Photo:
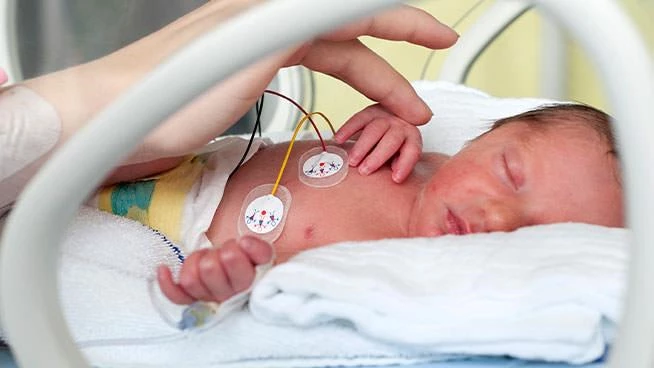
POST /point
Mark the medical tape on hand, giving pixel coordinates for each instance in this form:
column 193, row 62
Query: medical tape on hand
column 29, row 128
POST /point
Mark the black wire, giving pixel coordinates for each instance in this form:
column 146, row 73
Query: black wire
column 257, row 126
column 257, row 123
column 259, row 109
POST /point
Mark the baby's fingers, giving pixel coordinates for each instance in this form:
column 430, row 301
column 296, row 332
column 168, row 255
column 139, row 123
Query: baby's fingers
column 190, row 279
column 370, row 137
column 226, row 271
column 408, row 157
column 257, row 250
column 170, row 289
column 359, row 121
column 387, row 146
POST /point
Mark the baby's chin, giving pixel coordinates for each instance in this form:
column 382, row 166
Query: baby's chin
column 432, row 233
column 424, row 229
column 431, row 226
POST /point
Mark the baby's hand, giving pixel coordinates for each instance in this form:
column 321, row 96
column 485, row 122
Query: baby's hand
column 383, row 135
column 216, row 274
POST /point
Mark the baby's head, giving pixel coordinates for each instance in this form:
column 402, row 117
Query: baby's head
column 554, row 164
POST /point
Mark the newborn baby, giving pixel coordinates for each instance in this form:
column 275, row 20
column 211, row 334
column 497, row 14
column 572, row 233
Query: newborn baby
column 553, row 164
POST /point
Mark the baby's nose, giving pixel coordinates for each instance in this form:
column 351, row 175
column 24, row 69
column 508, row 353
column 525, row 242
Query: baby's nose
column 502, row 216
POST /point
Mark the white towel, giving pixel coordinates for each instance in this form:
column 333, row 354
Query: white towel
column 105, row 264
column 545, row 292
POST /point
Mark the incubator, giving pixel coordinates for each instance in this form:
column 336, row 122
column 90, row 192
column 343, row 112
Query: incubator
column 35, row 318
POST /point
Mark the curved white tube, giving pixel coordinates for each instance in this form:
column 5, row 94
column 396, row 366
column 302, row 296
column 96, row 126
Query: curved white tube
column 482, row 33
column 612, row 41
column 30, row 311
column 8, row 49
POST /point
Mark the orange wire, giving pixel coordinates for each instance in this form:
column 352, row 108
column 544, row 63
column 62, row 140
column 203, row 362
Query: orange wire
column 292, row 142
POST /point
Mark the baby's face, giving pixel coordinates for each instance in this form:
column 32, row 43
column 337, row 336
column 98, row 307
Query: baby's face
column 518, row 176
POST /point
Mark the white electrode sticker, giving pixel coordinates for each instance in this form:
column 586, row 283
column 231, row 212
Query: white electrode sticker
column 322, row 165
column 323, row 168
column 264, row 214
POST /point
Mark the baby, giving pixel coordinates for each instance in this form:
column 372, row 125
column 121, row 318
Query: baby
column 554, row 164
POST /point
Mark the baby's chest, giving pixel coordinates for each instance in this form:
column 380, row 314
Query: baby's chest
column 318, row 220
column 349, row 211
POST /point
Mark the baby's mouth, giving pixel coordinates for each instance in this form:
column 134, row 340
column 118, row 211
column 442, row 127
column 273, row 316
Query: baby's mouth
column 454, row 225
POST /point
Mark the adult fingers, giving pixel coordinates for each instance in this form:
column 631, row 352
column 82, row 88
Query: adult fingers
column 3, row 76
column 368, row 73
column 170, row 289
column 403, row 23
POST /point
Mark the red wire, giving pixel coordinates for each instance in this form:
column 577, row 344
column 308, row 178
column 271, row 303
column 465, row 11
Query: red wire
column 322, row 141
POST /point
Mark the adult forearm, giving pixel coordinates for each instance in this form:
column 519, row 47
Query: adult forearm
column 80, row 92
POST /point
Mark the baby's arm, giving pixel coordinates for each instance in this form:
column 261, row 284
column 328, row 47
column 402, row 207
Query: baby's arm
column 383, row 135
column 216, row 274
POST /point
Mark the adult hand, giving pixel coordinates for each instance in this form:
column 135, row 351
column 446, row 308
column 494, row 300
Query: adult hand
column 3, row 77
column 341, row 55
column 79, row 93
column 338, row 53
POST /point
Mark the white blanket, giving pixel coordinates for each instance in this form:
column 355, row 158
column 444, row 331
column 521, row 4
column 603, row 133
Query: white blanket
column 547, row 292
column 544, row 292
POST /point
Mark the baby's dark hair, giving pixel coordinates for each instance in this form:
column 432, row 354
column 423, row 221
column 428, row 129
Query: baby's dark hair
column 569, row 114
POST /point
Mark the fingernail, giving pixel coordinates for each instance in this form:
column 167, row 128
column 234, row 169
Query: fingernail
column 422, row 113
column 206, row 263
column 364, row 169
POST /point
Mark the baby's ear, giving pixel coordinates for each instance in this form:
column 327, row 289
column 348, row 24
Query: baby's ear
column 617, row 167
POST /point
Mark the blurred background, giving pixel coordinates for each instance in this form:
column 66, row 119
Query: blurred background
column 512, row 66
column 53, row 34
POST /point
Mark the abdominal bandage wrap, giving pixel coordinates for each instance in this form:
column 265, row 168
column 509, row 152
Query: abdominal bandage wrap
column 29, row 128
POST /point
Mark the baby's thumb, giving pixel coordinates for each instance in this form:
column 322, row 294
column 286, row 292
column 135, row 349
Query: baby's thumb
column 259, row 251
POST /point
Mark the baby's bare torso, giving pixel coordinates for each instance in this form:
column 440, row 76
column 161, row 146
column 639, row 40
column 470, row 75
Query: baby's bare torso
column 359, row 208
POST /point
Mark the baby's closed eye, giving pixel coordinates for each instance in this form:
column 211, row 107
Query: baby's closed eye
column 512, row 169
